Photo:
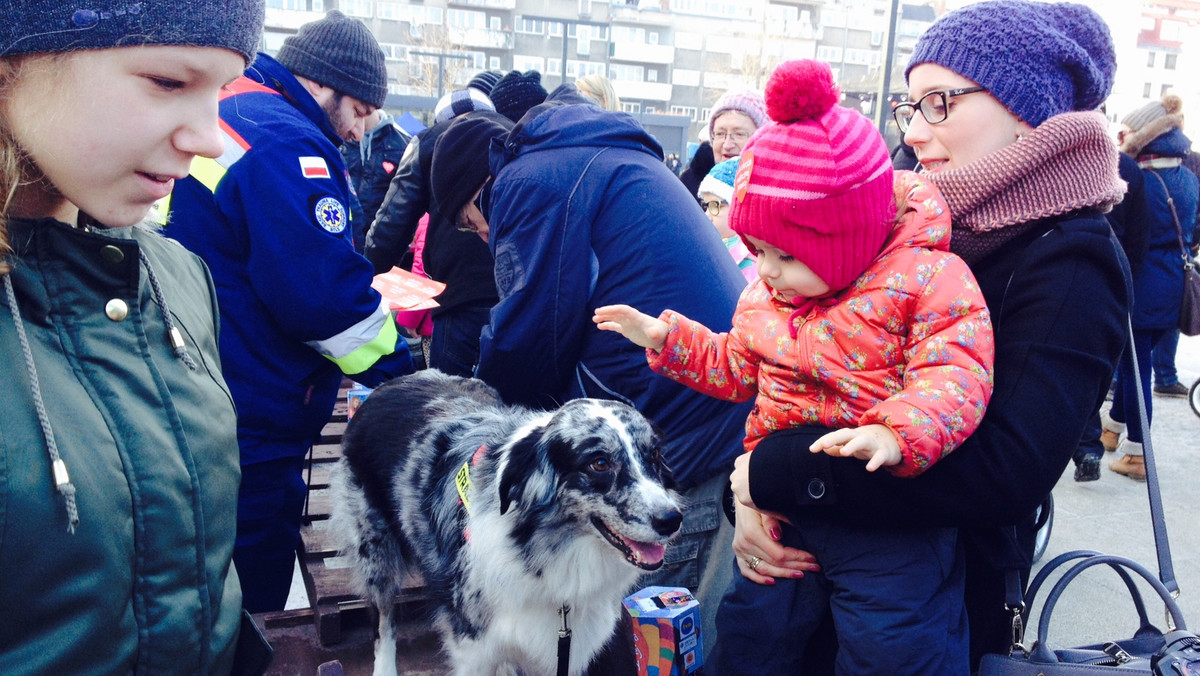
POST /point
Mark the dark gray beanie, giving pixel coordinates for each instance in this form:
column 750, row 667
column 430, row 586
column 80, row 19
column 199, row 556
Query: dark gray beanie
column 517, row 92
column 45, row 26
column 340, row 53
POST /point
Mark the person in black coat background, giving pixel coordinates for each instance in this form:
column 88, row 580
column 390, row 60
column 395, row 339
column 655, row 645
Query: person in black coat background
column 701, row 163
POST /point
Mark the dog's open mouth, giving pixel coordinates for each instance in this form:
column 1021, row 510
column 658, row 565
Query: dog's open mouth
column 644, row 555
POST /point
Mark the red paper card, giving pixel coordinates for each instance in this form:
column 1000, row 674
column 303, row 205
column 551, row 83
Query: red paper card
column 405, row 291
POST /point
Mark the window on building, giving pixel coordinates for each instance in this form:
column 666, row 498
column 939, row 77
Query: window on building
column 359, row 8
column 394, row 52
column 494, row 23
column 687, row 111
column 651, row 75
column 1150, row 59
column 1146, row 90
column 392, row 11
column 465, row 19
column 525, row 63
column 652, row 37
column 556, row 29
column 301, row 5
column 494, row 63
column 1170, row 61
column 1165, row 88
column 585, row 7
column 630, row 107
column 531, row 26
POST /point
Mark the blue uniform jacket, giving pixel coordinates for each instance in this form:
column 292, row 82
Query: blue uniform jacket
column 584, row 213
column 271, row 219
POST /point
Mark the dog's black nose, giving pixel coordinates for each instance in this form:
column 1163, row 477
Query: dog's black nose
column 667, row 522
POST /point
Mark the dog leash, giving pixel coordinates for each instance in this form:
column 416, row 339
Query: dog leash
column 564, row 642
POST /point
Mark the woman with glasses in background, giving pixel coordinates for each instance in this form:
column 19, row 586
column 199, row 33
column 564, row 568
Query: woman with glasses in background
column 734, row 117
column 1028, row 171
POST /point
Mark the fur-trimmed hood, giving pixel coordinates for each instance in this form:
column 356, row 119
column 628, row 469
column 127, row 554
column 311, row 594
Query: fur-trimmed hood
column 1150, row 122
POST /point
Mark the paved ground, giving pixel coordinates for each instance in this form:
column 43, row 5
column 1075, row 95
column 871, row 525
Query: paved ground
column 1112, row 515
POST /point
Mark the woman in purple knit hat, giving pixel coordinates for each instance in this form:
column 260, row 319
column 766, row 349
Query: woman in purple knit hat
column 1000, row 113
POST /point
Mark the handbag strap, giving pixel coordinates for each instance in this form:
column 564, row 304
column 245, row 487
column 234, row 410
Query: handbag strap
column 1162, row 547
column 1014, row 602
column 1187, row 258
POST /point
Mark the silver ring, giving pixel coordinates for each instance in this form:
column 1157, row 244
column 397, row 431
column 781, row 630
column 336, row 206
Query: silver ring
column 754, row 561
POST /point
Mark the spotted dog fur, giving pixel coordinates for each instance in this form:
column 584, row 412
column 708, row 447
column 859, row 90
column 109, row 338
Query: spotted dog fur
column 565, row 507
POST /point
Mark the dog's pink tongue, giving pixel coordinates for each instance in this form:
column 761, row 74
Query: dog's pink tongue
column 647, row 553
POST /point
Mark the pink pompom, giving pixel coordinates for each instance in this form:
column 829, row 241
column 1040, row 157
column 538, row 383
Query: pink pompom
column 801, row 90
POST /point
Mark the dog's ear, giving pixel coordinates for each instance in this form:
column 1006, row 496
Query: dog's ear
column 522, row 463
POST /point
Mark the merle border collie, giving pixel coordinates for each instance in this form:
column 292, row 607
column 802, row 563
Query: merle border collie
column 509, row 514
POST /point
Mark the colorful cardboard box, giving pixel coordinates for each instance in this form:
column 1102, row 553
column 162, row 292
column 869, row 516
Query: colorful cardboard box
column 355, row 397
column 666, row 631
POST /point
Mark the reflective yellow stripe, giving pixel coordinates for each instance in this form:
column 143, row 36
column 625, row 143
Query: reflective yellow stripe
column 208, row 171
column 365, row 356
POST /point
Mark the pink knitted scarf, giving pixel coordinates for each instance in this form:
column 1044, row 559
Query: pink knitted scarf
column 1065, row 164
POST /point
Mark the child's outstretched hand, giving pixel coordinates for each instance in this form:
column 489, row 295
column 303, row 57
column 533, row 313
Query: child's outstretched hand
column 641, row 329
column 876, row 444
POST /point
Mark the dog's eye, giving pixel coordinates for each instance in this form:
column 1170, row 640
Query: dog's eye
column 600, row 465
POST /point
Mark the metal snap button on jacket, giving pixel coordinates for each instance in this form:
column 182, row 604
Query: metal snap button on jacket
column 112, row 254
column 116, row 310
column 816, row 489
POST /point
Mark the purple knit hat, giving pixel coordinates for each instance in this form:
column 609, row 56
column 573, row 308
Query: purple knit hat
column 749, row 102
column 818, row 184
column 1038, row 59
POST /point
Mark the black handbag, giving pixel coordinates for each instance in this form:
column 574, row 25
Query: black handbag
column 1189, row 309
column 1149, row 651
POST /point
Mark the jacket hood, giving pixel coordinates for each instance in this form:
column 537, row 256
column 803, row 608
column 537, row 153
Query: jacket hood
column 1171, row 143
column 924, row 219
column 568, row 122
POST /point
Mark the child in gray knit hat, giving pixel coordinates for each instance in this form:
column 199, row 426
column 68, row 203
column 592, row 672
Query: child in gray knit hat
column 118, row 514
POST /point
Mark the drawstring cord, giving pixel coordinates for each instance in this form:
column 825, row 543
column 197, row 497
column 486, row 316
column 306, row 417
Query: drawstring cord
column 174, row 336
column 62, row 481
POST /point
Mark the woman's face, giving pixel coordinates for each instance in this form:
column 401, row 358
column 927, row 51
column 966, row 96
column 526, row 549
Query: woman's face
column 730, row 131
column 111, row 130
column 976, row 125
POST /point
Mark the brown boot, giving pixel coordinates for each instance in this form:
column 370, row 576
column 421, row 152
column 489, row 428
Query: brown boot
column 1110, row 440
column 1132, row 466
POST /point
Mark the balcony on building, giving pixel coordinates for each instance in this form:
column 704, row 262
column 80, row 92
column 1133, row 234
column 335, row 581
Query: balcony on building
column 649, row 91
column 480, row 37
column 489, row 4
column 643, row 53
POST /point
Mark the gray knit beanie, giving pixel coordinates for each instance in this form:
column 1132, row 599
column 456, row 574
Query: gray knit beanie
column 340, row 53
column 1039, row 59
column 45, row 26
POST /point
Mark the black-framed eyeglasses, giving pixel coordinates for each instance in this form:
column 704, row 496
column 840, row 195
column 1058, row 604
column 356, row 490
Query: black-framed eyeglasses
column 934, row 106
column 713, row 208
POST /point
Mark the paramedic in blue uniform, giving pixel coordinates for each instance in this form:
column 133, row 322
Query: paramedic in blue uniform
column 270, row 217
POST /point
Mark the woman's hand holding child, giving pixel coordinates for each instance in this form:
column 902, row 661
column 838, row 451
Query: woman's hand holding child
column 641, row 329
column 876, row 444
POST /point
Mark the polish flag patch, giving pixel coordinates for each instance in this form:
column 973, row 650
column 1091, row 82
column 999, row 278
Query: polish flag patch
column 314, row 167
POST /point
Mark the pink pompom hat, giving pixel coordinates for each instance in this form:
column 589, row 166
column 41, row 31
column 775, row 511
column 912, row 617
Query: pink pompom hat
column 818, row 184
